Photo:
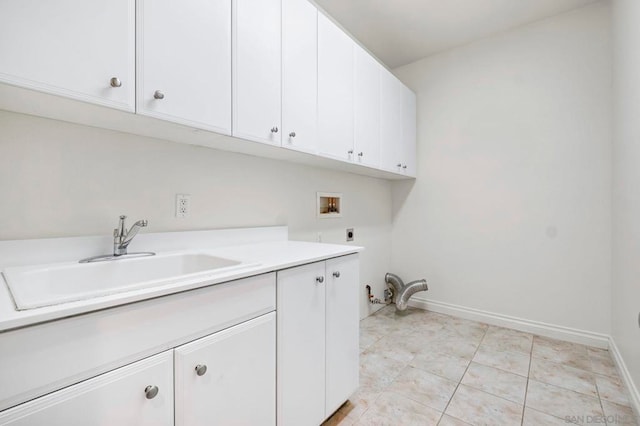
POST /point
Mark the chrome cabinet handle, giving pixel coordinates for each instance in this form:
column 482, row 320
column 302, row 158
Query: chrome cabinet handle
column 151, row 391
column 320, row 279
column 399, row 165
column 404, row 167
column 274, row 130
column 201, row 369
column 336, row 274
column 292, row 134
column 360, row 154
column 115, row 82
column 158, row 94
column 350, row 152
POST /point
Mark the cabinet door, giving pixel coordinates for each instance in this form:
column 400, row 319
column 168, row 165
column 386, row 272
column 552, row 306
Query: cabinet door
column 409, row 131
column 72, row 48
column 335, row 90
column 391, row 145
column 367, row 109
column 121, row 397
column 228, row 378
column 184, row 62
column 301, row 345
column 256, row 70
column 342, row 328
column 299, row 75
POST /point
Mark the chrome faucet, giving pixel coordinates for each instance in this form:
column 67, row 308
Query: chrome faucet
column 122, row 238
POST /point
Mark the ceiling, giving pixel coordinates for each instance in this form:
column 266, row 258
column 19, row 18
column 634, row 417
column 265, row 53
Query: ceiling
column 399, row 32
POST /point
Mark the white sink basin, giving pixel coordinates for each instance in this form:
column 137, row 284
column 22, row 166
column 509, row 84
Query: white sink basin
column 45, row 285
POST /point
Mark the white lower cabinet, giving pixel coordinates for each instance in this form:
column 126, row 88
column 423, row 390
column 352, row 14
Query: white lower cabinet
column 228, row 378
column 317, row 310
column 138, row 394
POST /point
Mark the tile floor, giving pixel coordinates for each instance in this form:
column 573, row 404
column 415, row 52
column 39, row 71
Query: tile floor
column 424, row 368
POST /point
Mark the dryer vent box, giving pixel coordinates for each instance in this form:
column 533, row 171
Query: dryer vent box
column 329, row 205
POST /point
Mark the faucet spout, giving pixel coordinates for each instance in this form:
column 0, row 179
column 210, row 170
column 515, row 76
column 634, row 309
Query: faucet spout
column 122, row 238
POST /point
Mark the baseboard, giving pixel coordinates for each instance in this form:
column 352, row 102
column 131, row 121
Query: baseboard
column 632, row 390
column 542, row 329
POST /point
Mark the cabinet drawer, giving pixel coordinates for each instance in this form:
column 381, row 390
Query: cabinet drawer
column 46, row 357
column 114, row 398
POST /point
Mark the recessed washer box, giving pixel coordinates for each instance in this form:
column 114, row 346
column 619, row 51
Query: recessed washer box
column 329, row 205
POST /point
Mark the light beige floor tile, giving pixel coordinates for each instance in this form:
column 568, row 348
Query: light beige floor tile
column 455, row 346
column 563, row 376
column 480, row 408
column 496, row 382
column 359, row 402
column 449, row 367
column 536, row 418
column 612, row 389
column 513, row 362
column 378, row 371
column 465, row 329
column 395, row 347
column 423, row 387
column 504, row 339
column 391, row 409
column 560, row 402
column 367, row 338
column 571, row 354
column 452, row 421
column 619, row 415
column 602, row 363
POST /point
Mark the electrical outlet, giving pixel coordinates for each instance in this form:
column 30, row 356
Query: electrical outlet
column 183, row 205
column 350, row 234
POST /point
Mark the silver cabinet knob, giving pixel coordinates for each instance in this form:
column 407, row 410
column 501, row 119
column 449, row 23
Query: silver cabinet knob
column 292, row 134
column 151, row 391
column 399, row 165
column 404, row 166
column 320, row 280
column 201, row 369
column 350, row 152
column 274, row 130
column 360, row 154
column 115, row 82
column 158, row 95
column 336, row 274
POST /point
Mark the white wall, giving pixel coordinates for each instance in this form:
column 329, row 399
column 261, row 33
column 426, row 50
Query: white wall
column 59, row 179
column 511, row 209
column 626, row 183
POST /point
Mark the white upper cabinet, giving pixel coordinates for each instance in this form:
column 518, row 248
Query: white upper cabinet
column 184, row 62
column 335, row 90
column 391, row 143
column 367, row 109
column 80, row 49
column 256, row 70
column 409, row 126
column 299, row 75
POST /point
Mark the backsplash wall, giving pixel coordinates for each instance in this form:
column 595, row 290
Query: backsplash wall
column 60, row 180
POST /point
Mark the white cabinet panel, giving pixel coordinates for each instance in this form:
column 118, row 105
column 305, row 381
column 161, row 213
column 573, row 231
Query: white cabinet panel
column 342, row 330
column 114, row 398
column 409, row 122
column 335, row 90
column 391, row 100
column 367, row 109
column 238, row 386
column 301, row 345
column 299, row 75
column 72, row 48
column 184, row 62
column 256, row 70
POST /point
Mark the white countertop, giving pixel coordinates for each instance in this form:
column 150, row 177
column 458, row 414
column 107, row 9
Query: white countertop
column 269, row 256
